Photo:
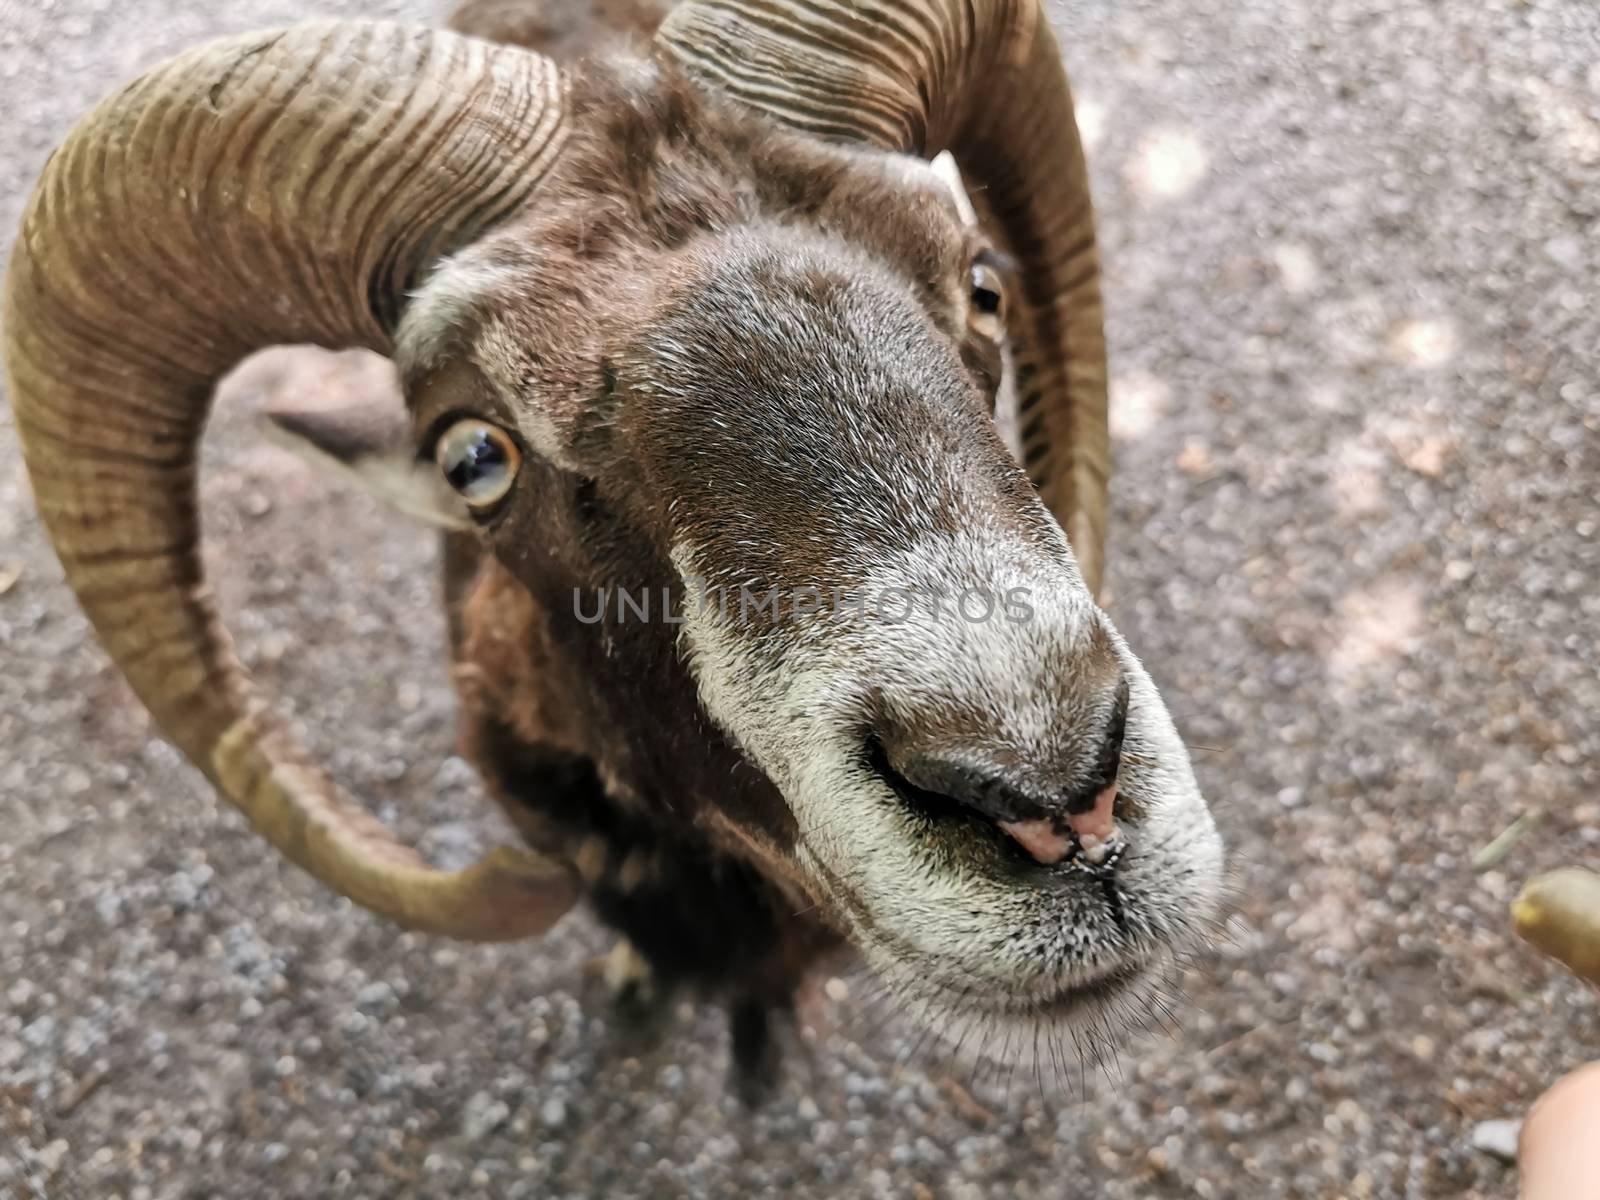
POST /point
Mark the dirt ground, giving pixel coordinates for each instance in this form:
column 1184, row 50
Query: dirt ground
column 1351, row 253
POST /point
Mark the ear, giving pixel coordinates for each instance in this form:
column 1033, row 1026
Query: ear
column 945, row 167
column 369, row 440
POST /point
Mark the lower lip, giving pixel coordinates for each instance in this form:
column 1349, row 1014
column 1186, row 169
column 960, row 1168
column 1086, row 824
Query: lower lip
column 1067, row 1001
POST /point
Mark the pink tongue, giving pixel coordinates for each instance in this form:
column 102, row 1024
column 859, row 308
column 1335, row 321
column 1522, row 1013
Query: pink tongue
column 1098, row 822
column 1039, row 837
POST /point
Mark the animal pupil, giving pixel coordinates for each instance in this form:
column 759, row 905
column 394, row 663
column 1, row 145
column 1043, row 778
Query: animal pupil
column 986, row 300
column 474, row 461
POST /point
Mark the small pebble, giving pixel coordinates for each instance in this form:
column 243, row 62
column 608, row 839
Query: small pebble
column 1497, row 1138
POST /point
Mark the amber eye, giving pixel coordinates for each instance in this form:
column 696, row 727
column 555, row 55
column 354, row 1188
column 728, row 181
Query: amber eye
column 479, row 460
column 987, row 300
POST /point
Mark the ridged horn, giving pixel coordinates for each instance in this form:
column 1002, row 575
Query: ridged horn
column 276, row 188
column 982, row 79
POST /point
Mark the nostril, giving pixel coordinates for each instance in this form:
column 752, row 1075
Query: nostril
column 932, row 788
column 941, row 789
column 1107, row 762
column 1050, row 822
column 946, row 785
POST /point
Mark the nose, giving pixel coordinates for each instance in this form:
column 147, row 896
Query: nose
column 1049, row 809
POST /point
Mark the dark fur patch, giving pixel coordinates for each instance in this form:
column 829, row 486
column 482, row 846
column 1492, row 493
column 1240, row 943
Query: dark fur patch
column 699, row 916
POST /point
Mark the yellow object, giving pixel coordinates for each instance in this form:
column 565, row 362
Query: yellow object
column 1559, row 912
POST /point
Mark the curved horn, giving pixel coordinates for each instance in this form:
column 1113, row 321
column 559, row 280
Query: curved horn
column 281, row 187
column 982, row 79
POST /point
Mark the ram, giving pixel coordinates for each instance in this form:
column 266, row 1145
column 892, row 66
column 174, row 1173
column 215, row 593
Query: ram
column 765, row 641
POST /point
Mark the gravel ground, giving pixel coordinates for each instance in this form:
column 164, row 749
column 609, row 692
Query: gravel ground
column 1356, row 340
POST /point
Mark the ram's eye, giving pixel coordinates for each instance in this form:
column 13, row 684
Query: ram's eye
column 479, row 460
column 987, row 301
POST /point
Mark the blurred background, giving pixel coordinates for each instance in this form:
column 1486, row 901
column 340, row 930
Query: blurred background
column 1351, row 249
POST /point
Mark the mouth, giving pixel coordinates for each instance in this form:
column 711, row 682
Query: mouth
column 1001, row 956
column 1086, row 930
